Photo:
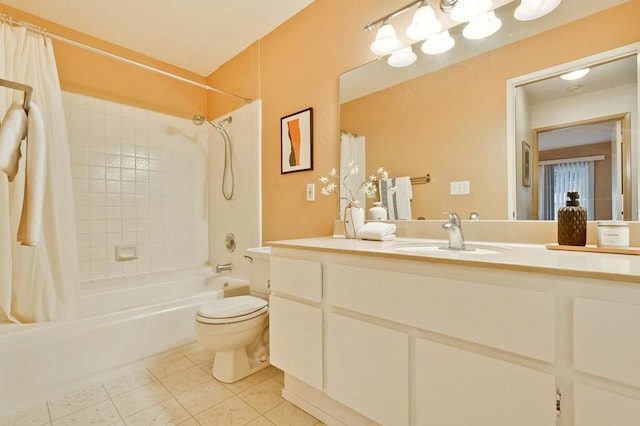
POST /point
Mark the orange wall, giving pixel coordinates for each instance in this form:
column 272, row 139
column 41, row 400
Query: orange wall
column 92, row 74
column 299, row 64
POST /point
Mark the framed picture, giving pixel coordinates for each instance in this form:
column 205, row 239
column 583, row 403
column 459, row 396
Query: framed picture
column 296, row 141
column 526, row 164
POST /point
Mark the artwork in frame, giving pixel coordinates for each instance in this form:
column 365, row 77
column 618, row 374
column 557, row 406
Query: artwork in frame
column 526, row 164
column 296, row 141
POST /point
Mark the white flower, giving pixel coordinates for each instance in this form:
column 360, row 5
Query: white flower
column 393, row 189
column 350, row 189
column 333, row 172
column 324, row 191
column 354, row 170
column 324, row 179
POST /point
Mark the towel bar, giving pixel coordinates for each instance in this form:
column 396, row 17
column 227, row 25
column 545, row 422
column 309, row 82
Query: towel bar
column 22, row 87
column 420, row 179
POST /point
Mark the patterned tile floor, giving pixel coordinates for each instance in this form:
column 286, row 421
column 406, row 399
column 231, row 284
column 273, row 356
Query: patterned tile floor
column 173, row 388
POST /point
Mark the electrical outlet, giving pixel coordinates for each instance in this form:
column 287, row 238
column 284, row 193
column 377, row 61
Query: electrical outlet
column 311, row 192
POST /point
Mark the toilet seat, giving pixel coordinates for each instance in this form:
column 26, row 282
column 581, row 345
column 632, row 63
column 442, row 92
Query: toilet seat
column 232, row 310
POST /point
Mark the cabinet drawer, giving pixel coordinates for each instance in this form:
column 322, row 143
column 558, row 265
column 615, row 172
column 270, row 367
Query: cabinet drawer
column 512, row 319
column 295, row 277
column 595, row 407
column 606, row 339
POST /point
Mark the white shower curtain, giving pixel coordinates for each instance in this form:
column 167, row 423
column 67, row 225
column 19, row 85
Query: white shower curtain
column 39, row 283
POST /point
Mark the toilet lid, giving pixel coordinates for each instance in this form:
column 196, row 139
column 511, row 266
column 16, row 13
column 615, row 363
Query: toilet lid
column 238, row 308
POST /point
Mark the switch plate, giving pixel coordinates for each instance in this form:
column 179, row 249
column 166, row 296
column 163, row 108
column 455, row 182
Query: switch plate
column 462, row 187
column 311, row 192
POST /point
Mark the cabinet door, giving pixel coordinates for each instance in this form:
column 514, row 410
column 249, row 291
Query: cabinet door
column 460, row 388
column 368, row 369
column 295, row 339
column 595, row 407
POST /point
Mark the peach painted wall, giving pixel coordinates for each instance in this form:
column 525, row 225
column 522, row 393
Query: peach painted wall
column 92, row 74
column 298, row 67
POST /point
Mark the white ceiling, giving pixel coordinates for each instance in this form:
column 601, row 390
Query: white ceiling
column 197, row 35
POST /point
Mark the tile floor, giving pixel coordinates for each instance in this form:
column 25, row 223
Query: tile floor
column 173, row 388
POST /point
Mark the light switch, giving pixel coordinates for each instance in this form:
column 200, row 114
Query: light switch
column 311, row 192
column 462, row 187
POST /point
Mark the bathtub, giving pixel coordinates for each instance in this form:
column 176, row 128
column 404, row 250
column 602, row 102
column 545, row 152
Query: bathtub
column 113, row 328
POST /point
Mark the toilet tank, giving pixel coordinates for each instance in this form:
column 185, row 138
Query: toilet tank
column 259, row 271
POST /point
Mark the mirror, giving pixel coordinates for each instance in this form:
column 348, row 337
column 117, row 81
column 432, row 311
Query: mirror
column 445, row 115
column 578, row 134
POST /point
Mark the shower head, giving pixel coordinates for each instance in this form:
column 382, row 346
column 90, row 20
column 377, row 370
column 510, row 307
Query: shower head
column 199, row 120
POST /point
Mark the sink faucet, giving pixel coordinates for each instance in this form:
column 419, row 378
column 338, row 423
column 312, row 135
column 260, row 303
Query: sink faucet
column 454, row 227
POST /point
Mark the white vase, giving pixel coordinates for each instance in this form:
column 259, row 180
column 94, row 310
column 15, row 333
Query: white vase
column 377, row 212
column 353, row 219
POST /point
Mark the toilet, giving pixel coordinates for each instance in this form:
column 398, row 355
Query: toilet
column 237, row 328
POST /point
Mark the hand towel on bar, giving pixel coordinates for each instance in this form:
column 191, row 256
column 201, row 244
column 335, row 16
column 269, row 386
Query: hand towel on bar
column 12, row 130
column 378, row 231
column 35, row 179
column 396, row 195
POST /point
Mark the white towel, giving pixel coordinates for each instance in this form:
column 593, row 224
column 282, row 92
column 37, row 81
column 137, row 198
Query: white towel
column 12, row 131
column 35, row 179
column 396, row 194
column 378, row 231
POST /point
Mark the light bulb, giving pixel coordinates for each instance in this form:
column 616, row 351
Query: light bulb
column 534, row 9
column 575, row 75
column 386, row 40
column 482, row 27
column 424, row 24
column 468, row 10
column 438, row 43
column 402, row 57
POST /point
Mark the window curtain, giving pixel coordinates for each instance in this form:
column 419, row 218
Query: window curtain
column 555, row 180
column 37, row 283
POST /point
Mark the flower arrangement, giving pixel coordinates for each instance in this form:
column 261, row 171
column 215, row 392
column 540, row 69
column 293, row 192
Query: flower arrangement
column 352, row 187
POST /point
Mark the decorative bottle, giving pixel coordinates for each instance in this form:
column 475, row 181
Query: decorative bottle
column 572, row 222
column 377, row 212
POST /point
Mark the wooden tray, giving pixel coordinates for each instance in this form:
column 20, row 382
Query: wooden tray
column 595, row 249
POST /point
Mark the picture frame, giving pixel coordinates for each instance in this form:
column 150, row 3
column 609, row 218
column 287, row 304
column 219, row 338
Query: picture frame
column 526, row 164
column 296, row 141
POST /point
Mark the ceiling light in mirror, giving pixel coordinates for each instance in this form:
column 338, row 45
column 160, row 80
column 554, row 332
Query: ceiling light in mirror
column 402, row 58
column 468, row 10
column 482, row 27
column 424, row 24
column 439, row 43
column 575, row 75
column 386, row 40
column 534, row 9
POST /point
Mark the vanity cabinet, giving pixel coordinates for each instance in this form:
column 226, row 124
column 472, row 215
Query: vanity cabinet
column 295, row 319
column 406, row 341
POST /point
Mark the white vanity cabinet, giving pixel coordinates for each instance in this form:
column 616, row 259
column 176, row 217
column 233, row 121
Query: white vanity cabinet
column 295, row 318
column 415, row 341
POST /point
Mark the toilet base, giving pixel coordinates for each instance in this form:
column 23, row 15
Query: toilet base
column 229, row 367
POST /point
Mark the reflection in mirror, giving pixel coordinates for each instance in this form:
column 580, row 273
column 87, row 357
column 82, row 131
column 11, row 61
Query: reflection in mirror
column 446, row 115
column 582, row 133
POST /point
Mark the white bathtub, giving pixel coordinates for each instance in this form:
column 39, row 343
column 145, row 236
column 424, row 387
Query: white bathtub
column 114, row 327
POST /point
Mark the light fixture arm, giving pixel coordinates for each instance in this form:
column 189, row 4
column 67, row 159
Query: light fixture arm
column 447, row 5
column 398, row 12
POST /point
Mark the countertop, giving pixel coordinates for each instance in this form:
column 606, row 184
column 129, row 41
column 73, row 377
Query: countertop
column 516, row 257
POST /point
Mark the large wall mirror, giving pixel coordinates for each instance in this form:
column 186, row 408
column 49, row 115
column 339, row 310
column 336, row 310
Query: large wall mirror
column 446, row 116
column 575, row 128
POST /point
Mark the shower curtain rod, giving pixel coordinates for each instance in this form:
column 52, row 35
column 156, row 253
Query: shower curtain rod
column 146, row 67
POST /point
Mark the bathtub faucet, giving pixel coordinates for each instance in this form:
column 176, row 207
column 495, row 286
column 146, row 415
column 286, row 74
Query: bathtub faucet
column 224, row 267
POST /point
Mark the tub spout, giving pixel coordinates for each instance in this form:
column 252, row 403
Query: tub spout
column 224, row 267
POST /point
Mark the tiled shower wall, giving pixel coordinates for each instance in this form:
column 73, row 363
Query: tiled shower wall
column 138, row 178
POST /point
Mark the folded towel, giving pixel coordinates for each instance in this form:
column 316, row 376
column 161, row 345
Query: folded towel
column 12, row 131
column 396, row 195
column 35, row 177
column 378, row 231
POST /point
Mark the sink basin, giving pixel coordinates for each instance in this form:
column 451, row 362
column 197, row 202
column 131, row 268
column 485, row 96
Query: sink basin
column 436, row 249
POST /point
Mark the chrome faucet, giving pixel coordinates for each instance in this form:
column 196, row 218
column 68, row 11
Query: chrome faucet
column 224, row 267
column 454, row 227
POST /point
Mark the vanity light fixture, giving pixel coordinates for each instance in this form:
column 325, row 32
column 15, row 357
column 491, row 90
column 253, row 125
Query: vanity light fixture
column 402, row 57
column 439, row 43
column 424, row 23
column 468, row 10
column 534, row 9
column 386, row 40
column 482, row 27
column 575, row 75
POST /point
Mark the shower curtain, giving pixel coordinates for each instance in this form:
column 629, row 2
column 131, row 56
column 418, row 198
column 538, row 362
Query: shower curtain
column 39, row 283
